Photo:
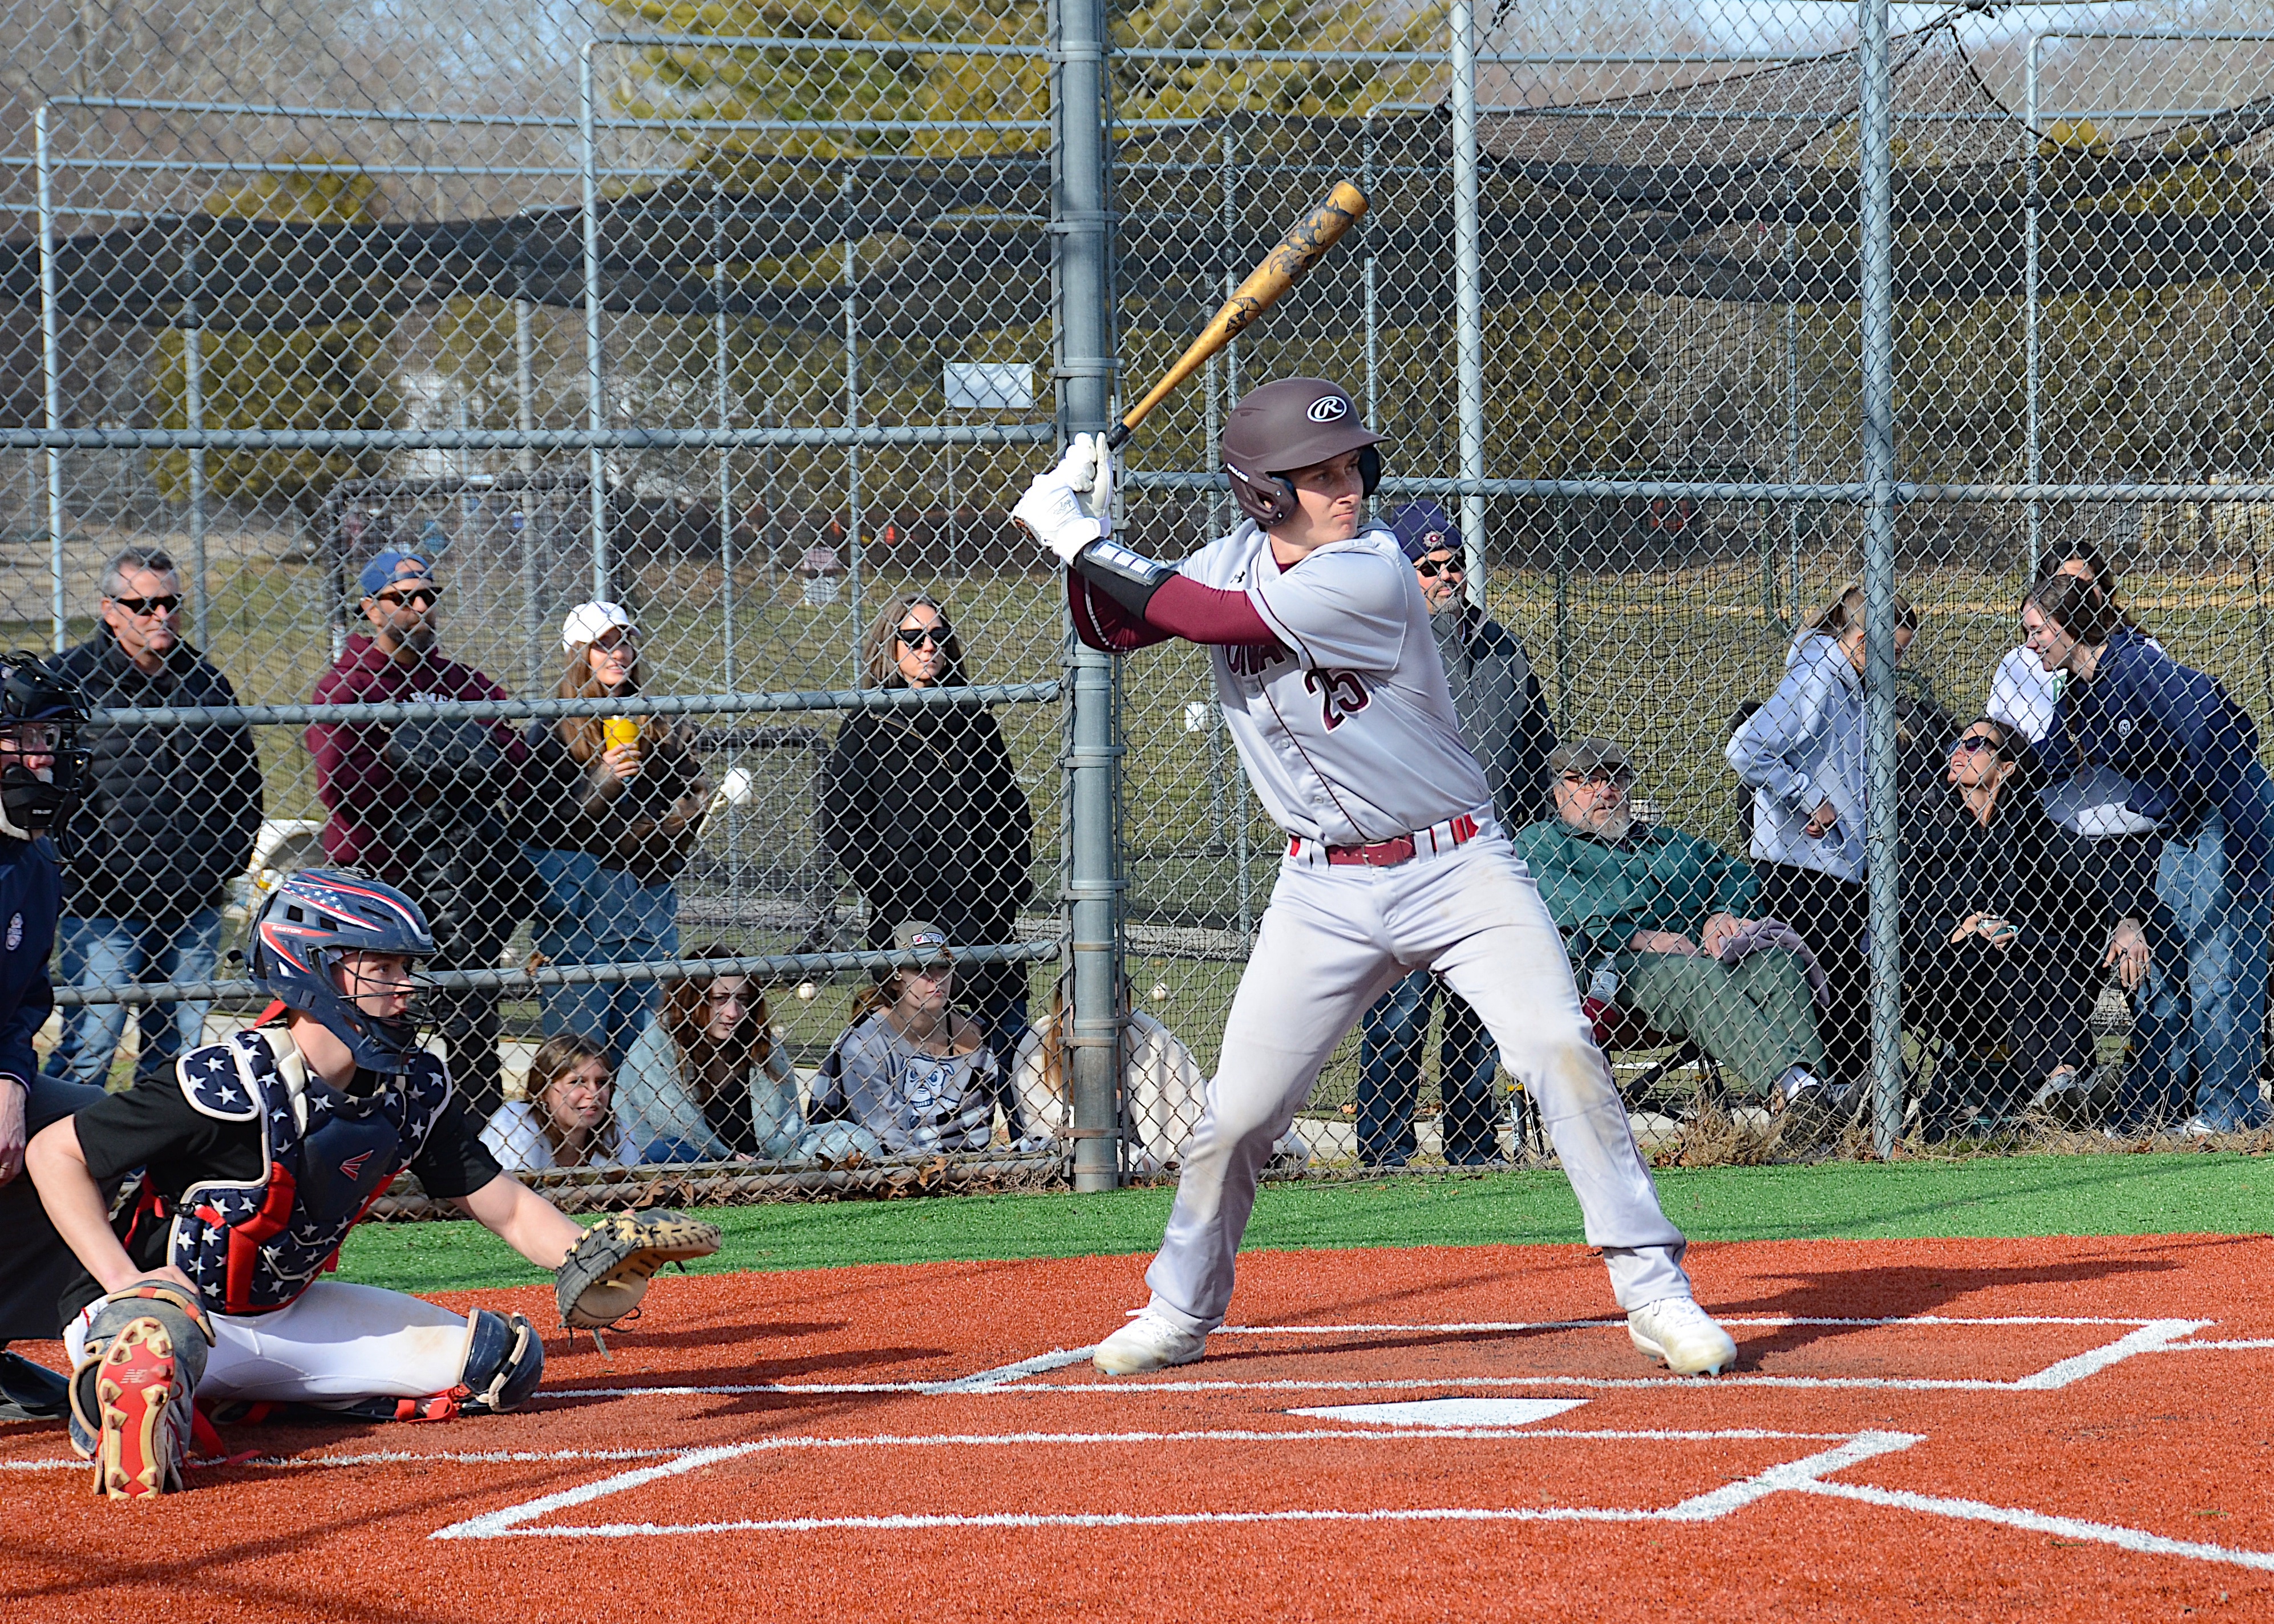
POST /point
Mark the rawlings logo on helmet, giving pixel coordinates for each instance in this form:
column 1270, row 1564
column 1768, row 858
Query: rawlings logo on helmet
column 1329, row 408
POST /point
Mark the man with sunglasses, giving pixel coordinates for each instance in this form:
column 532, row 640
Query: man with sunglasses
column 1504, row 718
column 167, row 817
column 421, row 804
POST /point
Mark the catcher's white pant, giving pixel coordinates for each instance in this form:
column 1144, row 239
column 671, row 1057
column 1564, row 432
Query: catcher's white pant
column 334, row 1344
column 1332, row 940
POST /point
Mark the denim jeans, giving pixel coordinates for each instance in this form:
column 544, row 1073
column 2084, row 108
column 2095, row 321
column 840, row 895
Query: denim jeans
column 1391, row 1036
column 2199, row 1034
column 111, row 952
column 590, row 913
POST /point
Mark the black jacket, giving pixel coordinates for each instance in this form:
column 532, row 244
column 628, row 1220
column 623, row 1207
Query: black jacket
column 924, row 810
column 2060, row 892
column 643, row 829
column 169, row 813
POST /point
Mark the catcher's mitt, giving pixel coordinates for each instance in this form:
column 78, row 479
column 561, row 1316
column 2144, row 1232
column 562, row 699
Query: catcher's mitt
column 604, row 1277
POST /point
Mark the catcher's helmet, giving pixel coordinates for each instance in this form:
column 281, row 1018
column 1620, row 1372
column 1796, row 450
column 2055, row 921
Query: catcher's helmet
column 32, row 690
column 1286, row 425
column 308, row 924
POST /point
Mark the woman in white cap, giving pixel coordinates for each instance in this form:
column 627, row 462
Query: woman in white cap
column 614, row 804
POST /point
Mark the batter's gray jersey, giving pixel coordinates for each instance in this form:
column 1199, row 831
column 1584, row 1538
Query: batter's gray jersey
column 1348, row 732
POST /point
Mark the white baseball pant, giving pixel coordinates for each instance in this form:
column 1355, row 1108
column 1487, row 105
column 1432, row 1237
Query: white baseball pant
column 334, row 1344
column 1333, row 938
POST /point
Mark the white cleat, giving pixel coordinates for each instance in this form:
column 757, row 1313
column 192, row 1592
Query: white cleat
column 1148, row 1342
column 1679, row 1335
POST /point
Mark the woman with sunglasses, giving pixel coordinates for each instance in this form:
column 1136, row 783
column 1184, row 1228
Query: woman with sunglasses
column 1999, row 960
column 923, row 806
column 608, row 818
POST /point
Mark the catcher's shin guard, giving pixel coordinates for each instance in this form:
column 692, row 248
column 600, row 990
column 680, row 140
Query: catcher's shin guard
column 132, row 1392
column 505, row 1360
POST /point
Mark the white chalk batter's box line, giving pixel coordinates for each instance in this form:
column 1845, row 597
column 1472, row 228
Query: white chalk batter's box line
column 2146, row 1336
column 1806, row 1476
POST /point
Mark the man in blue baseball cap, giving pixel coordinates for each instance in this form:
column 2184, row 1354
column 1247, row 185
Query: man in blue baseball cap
column 1497, row 699
column 419, row 804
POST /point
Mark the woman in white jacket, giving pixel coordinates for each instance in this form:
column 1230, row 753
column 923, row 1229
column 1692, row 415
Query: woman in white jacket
column 1803, row 755
column 1163, row 1089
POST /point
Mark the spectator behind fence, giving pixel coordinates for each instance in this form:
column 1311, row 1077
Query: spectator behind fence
column 2023, row 693
column 1801, row 753
column 611, row 808
column 912, row 1073
column 567, row 1117
column 707, row 1082
column 166, row 818
column 1658, row 924
column 2189, row 754
column 923, row 807
column 2000, row 964
column 418, row 803
column 1163, row 1091
column 1505, row 720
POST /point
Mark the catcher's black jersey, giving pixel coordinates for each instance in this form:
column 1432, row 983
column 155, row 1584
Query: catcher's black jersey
column 155, row 1126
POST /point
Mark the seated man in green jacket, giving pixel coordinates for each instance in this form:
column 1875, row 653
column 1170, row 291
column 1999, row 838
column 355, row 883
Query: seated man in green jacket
column 1656, row 921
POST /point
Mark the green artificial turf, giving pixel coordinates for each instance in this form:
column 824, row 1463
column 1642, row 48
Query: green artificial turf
column 2003, row 1197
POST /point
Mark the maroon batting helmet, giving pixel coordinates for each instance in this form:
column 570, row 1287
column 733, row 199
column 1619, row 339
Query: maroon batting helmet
column 1289, row 424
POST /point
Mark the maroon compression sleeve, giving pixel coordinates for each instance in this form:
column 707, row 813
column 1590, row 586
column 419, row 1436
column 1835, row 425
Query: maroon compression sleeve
column 1206, row 614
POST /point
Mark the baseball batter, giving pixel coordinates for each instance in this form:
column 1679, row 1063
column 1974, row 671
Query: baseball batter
column 1334, row 695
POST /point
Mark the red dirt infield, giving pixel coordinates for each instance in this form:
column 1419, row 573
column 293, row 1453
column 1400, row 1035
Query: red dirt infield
column 2052, row 1429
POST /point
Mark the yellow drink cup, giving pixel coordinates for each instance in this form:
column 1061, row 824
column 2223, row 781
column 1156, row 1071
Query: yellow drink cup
column 619, row 730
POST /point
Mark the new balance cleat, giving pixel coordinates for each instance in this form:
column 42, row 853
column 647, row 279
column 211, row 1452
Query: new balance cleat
column 1148, row 1342
column 1675, row 1332
column 136, row 1390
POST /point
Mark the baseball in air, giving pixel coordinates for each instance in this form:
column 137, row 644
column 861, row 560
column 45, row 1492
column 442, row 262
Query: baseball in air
column 1160, row 992
column 806, row 990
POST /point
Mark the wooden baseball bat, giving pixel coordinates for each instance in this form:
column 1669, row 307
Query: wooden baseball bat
column 1305, row 242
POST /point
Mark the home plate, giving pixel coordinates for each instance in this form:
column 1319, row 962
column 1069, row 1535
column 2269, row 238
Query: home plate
column 1448, row 1412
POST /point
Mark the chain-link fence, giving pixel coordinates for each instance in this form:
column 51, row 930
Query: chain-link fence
column 755, row 327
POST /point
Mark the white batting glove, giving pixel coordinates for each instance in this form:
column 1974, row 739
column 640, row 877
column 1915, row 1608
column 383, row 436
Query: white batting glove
column 1061, row 508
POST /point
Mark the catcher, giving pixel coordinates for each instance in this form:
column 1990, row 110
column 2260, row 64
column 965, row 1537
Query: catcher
column 258, row 1155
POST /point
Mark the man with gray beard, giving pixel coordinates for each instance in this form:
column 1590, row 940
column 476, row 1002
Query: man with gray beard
column 1656, row 923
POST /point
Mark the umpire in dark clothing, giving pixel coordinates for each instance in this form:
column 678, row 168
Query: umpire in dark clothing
column 923, row 806
column 166, row 818
column 1497, row 699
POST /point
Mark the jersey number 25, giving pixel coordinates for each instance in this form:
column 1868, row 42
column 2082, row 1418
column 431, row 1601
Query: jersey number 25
column 1341, row 696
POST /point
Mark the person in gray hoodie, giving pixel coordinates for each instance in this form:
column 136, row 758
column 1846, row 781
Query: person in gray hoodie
column 1505, row 720
column 1802, row 754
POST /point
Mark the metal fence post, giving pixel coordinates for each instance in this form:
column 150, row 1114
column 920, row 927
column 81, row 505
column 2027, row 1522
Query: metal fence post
column 1085, row 390
column 2034, row 468
column 1468, row 290
column 194, row 419
column 1876, row 263
column 51, row 365
column 596, row 405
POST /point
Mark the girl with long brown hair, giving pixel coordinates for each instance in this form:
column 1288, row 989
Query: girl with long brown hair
column 568, row 1117
column 706, row 1081
column 613, row 805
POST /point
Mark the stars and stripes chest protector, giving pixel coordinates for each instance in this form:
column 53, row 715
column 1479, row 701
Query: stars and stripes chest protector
column 255, row 1246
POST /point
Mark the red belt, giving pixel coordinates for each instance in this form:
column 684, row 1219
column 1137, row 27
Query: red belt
column 1388, row 854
